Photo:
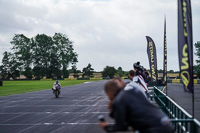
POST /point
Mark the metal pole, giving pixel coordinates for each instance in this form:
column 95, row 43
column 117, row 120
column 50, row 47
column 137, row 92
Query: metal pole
column 193, row 104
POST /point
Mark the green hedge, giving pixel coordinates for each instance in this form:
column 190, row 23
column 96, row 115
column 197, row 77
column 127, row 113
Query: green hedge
column 83, row 78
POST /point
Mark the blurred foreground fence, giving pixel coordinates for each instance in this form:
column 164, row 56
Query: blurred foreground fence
column 182, row 121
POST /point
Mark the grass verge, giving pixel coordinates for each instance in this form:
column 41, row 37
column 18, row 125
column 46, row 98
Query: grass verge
column 18, row 87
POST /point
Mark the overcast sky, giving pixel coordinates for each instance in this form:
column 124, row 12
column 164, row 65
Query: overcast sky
column 104, row 32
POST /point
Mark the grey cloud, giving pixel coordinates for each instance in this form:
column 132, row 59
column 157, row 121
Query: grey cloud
column 104, row 32
column 16, row 16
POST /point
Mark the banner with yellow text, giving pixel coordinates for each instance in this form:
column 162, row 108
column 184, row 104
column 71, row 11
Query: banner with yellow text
column 151, row 51
column 185, row 44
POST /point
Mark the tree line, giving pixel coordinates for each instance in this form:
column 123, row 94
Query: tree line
column 108, row 72
column 40, row 56
column 46, row 56
column 50, row 56
column 197, row 66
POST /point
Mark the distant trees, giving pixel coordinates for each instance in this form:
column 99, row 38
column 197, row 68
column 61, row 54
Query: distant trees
column 160, row 71
column 74, row 68
column 197, row 67
column 170, row 71
column 109, row 71
column 10, row 67
column 120, row 72
column 197, row 46
column 88, row 71
column 39, row 56
column 23, row 53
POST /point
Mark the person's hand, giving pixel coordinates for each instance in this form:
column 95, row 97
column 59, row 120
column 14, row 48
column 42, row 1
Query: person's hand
column 103, row 124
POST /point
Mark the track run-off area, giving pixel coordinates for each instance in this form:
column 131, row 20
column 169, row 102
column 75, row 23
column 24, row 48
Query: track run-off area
column 75, row 111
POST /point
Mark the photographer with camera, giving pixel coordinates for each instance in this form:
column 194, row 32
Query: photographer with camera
column 131, row 108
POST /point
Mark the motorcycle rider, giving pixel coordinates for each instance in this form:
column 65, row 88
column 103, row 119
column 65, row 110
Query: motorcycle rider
column 57, row 85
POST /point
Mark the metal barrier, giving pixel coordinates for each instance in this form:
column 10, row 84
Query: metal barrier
column 181, row 120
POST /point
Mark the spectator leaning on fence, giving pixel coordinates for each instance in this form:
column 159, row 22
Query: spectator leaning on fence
column 121, row 84
column 131, row 108
column 139, row 80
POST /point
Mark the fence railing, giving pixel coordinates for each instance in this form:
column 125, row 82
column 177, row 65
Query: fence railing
column 182, row 121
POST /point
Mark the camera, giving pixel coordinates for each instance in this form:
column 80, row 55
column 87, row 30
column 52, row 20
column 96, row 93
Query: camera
column 101, row 118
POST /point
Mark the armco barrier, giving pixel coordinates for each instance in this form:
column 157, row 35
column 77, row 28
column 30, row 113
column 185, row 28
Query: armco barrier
column 96, row 78
column 70, row 78
column 181, row 120
column 196, row 81
column 175, row 80
column 45, row 79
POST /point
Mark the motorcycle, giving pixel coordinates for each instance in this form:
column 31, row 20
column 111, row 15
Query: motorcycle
column 56, row 91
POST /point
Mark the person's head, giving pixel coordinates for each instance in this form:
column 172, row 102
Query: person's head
column 131, row 74
column 120, row 83
column 57, row 82
column 136, row 66
column 144, row 70
column 111, row 88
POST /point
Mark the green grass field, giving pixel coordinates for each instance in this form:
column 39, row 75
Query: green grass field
column 17, row 87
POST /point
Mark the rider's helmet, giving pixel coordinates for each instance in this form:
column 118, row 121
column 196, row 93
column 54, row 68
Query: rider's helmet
column 57, row 82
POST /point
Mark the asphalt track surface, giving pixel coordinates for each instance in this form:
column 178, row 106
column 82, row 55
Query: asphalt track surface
column 184, row 99
column 75, row 111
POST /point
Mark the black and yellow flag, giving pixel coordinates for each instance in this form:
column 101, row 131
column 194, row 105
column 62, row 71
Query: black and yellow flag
column 151, row 51
column 164, row 81
column 185, row 44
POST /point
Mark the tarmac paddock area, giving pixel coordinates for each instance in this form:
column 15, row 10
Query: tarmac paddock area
column 75, row 111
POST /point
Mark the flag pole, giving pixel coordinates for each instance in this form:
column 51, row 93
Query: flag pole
column 193, row 105
column 164, row 80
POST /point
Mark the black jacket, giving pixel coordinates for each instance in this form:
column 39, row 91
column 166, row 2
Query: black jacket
column 132, row 108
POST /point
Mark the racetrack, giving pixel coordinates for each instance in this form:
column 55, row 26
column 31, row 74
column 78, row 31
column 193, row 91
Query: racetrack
column 75, row 111
column 184, row 99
